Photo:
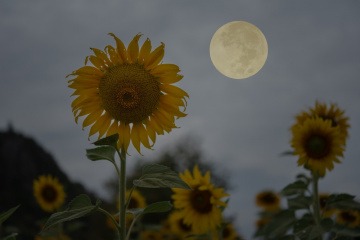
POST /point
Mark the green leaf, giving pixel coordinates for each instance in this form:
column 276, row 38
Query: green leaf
column 79, row 207
column 159, row 176
column 5, row 215
column 108, row 141
column 101, row 153
column 299, row 202
column 10, row 237
column 278, row 225
column 342, row 201
column 158, row 207
column 294, row 188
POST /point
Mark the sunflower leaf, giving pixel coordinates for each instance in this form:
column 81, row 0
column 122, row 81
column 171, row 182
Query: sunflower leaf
column 108, row 141
column 279, row 225
column 159, row 176
column 79, row 207
column 299, row 202
column 294, row 188
column 101, row 153
column 5, row 215
column 342, row 201
column 158, row 207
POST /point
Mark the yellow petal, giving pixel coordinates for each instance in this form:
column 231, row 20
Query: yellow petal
column 133, row 49
column 173, row 90
column 114, row 57
column 155, row 57
column 97, row 62
column 144, row 138
column 88, row 70
column 102, row 56
column 120, row 47
column 167, row 68
column 170, row 78
column 114, row 128
column 124, row 135
column 135, row 137
column 91, row 118
column 151, row 132
column 145, row 50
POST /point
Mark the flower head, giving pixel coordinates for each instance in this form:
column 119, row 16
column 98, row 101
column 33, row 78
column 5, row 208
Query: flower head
column 318, row 145
column 200, row 206
column 350, row 218
column 268, row 200
column 128, row 91
column 332, row 113
column 49, row 193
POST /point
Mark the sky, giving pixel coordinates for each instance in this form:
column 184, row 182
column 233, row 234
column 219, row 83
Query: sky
column 242, row 125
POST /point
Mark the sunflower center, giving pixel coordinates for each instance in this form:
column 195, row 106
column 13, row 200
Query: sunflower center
column 269, row 198
column 133, row 203
column 200, row 200
column 49, row 193
column 348, row 217
column 317, row 146
column 129, row 93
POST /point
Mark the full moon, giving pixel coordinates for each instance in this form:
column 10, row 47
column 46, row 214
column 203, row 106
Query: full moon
column 238, row 49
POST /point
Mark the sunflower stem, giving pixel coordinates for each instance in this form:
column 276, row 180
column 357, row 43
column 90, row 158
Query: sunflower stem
column 122, row 191
column 316, row 204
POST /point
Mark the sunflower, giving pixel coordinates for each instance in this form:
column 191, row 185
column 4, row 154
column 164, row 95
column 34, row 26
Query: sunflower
column 350, row 218
column 229, row 232
column 49, row 193
column 201, row 207
column 268, row 200
column 332, row 113
column 128, row 91
column 318, row 145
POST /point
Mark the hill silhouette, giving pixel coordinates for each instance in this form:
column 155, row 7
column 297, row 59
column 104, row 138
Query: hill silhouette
column 22, row 160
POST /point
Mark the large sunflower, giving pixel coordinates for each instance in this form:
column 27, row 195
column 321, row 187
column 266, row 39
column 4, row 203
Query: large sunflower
column 332, row 113
column 49, row 193
column 128, row 91
column 200, row 206
column 318, row 144
column 268, row 200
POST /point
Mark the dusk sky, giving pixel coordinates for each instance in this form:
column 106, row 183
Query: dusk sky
column 242, row 125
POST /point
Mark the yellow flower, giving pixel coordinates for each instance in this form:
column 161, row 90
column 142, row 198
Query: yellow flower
column 332, row 113
column 318, row 145
column 128, row 91
column 268, row 200
column 49, row 193
column 228, row 233
column 200, row 206
column 350, row 218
